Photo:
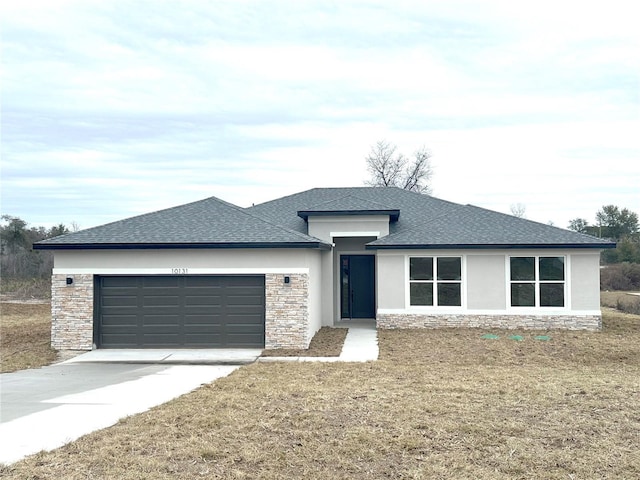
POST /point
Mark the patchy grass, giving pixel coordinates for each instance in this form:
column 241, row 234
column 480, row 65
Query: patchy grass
column 438, row 404
column 628, row 302
column 26, row 288
column 327, row 342
column 25, row 336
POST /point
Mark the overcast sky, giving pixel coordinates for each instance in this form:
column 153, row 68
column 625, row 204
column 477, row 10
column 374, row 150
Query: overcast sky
column 116, row 108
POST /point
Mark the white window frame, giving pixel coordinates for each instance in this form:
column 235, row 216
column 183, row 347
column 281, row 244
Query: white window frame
column 435, row 283
column 537, row 282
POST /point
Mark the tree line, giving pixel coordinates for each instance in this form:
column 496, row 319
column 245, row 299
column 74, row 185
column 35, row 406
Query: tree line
column 18, row 260
column 619, row 225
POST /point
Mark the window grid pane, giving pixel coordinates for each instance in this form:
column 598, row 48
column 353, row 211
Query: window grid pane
column 449, row 268
column 551, row 268
column 449, row 294
column 552, row 295
column 421, row 293
column 523, row 294
column 523, row 268
column 421, row 268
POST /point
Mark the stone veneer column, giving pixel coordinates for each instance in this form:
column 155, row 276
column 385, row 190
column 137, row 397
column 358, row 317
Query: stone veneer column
column 287, row 311
column 72, row 312
column 529, row 322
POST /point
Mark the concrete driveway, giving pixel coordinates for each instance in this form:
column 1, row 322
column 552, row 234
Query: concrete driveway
column 45, row 408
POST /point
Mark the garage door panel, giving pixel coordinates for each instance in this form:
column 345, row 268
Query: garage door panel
column 238, row 340
column 161, row 341
column 203, row 319
column 119, row 341
column 205, row 281
column 119, row 320
column 242, row 320
column 119, row 282
column 243, row 291
column 120, row 301
column 245, row 301
column 181, row 311
column 246, row 310
column 160, row 281
column 160, row 330
column 166, row 300
column 204, row 301
column 154, row 320
column 206, row 340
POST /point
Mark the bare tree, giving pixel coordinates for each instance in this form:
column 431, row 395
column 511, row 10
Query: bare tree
column 518, row 210
column 390, row 168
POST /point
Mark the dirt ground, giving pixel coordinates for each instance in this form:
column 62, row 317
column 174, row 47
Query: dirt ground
column 327, row 342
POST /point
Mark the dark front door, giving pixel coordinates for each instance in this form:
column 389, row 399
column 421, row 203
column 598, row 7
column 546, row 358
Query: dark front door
column 358, row 285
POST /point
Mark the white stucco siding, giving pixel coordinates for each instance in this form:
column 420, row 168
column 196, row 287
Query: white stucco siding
column 585, row 281
column 194, row 261
column 486, row 282
column 327, row 297
column 314, row 260
column 391, row 280
column 326, row 228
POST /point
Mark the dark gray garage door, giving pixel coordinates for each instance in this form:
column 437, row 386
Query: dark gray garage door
column 180, row 311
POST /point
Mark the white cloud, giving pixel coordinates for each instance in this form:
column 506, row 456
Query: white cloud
column 113, row 108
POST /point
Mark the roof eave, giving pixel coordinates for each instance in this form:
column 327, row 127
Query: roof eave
column 305, row 214
column 165, row 246
column 494, row 246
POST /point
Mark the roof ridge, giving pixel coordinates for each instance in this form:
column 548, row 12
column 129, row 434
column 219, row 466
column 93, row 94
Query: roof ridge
column 349, row 195
column 362, row 187
column 281, row 227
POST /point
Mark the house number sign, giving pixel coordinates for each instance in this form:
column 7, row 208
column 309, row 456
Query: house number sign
column 179, row 271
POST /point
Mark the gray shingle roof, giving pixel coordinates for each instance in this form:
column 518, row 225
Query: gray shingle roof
column 424, row 222
column 206, row 223
column 413, row 207
column 429, row 222
column 475, row 227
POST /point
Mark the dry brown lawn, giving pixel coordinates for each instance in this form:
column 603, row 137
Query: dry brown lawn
column 626, row 301
column 25, row 336
column 438, row 404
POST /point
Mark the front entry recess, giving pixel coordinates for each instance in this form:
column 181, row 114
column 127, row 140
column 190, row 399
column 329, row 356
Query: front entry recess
column 357, row 286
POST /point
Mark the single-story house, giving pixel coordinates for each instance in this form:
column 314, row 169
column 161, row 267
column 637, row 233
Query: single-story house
column 211, row 274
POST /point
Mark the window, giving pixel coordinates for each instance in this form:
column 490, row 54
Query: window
column 435, row 281
column 537, row 281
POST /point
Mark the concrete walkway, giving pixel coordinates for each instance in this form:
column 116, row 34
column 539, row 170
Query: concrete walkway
column 222, row 356
column 361, row 344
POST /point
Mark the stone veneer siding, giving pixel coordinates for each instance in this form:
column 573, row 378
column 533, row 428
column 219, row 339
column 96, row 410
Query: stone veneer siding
column 530, row 322
column 72, row 312
column 287, row 311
